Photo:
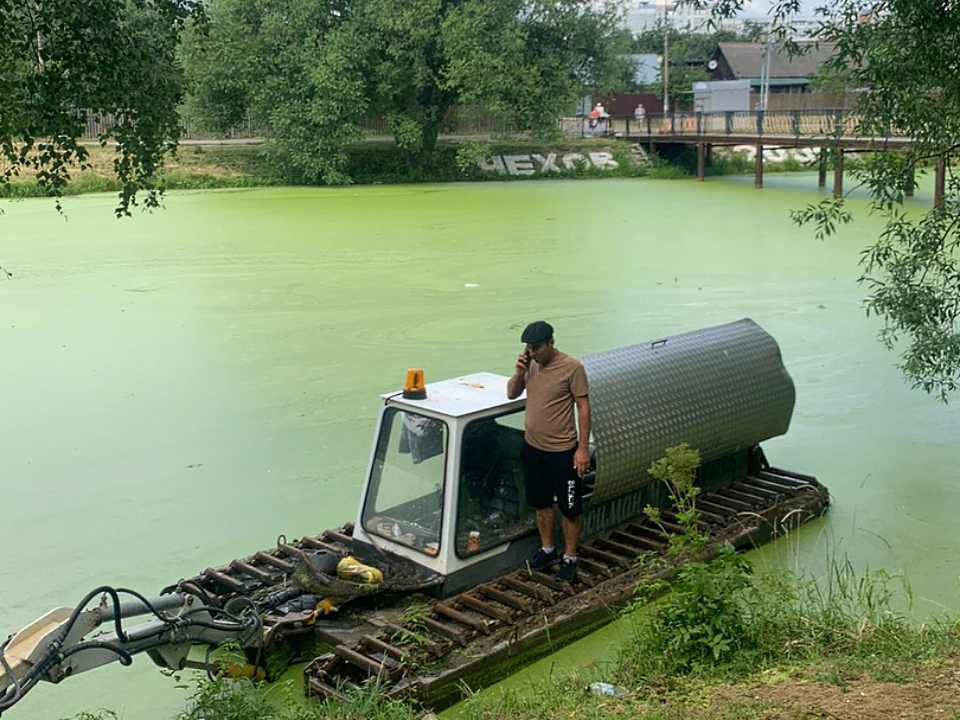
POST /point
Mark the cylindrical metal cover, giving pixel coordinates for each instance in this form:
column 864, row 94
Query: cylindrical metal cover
column 719, row 389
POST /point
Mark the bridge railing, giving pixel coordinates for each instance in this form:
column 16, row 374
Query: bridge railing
column 794, row 123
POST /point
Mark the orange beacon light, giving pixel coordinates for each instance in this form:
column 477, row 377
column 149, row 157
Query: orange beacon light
column 415, row 387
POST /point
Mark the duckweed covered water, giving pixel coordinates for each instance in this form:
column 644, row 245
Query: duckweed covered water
column 181, row 388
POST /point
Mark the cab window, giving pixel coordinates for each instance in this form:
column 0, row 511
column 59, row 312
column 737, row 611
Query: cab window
column 490, row 505
column 405, row 497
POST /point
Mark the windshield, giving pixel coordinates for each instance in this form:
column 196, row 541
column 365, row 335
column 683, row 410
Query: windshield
column 405, row 498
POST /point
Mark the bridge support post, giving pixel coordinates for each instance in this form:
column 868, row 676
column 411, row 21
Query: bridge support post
column 939, row 181
column 909, row 183
column 822, row 168
column 838, row 173
column 701, row 160
column 758, row 167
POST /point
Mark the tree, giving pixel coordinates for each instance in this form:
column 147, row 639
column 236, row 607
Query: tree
column 408, row 62
column 62, row 61
column 904, row 55
column 276, row 63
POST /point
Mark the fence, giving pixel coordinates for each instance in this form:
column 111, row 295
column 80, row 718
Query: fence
column 473, row 120
column 460, row 120
column 792, row 123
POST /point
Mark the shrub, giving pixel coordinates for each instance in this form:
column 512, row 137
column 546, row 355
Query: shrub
column 717, row 615
column 699, row 620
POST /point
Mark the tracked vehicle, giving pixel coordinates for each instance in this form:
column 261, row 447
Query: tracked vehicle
column 427, row 588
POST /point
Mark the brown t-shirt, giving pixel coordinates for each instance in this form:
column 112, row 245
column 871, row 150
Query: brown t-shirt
column 551, row 391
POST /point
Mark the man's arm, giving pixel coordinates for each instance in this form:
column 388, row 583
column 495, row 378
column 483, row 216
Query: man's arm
column 581, row 458
column 518, row 383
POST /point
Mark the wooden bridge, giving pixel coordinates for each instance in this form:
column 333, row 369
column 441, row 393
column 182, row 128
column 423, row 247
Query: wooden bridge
column 836, row 130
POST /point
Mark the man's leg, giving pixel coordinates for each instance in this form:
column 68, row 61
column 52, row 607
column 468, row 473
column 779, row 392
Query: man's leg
column 539, row 491
column 569, row 491
column 571, row 533
column 546, row 525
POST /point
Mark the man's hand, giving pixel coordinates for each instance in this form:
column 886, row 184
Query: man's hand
column 517, row 383
column 523, row 362
column 581, row 460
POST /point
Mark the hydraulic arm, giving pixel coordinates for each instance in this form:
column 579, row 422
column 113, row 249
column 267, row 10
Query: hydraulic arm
column 65, row 642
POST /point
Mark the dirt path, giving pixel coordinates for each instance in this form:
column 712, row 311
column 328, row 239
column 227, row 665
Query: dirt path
column 934, row 695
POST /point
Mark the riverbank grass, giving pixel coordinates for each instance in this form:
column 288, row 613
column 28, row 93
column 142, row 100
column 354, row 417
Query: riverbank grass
column 215, row 165
column 193, row 167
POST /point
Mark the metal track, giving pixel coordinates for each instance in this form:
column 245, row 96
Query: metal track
column 264, row 577
column 395, row 652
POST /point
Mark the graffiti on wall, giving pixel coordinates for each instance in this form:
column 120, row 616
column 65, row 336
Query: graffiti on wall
column 534, row 163
column 779, row 155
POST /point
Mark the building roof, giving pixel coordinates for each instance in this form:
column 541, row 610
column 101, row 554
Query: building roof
column 746, row 59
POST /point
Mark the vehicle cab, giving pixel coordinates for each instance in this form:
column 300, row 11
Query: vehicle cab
column 444, row 488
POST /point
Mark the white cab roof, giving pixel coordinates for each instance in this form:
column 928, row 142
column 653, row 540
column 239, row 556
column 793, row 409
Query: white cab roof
column 461, row 396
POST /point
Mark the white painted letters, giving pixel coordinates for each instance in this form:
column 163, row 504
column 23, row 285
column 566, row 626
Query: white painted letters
column 603, row 160
column 572, row 160
column 546, row 163
column 491, row 164
column 518, row 164
column 778, row 155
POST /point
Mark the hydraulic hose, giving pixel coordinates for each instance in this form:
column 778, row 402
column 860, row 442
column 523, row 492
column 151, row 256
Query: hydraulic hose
column 245, row 627
column 9, row 697
column 51, row 656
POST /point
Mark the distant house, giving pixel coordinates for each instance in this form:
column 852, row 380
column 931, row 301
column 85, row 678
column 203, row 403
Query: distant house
column 787, row 74
column 647, row 68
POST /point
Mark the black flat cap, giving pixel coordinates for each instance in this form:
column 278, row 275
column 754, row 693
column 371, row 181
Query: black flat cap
column 537, row 332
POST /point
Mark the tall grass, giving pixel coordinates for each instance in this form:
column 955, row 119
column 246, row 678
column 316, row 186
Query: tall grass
column 719, row 617
column 222, row 698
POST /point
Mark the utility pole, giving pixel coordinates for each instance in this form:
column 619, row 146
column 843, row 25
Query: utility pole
column 766, row 54
column 666, row 61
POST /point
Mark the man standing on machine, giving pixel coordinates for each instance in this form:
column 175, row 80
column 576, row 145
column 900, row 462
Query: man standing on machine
column 554, row 455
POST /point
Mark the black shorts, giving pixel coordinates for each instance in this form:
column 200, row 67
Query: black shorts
column 550, row 478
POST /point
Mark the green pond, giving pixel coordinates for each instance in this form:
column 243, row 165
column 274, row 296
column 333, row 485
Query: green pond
column 181, row 388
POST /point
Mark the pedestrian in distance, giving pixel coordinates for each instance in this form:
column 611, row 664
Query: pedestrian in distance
column 598, row 118
column 555, row 452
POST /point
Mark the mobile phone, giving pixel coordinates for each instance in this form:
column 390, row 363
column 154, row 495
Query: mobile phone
column 527, row 355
